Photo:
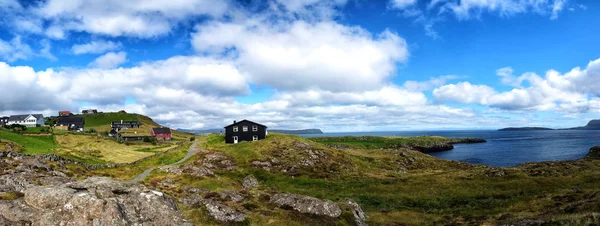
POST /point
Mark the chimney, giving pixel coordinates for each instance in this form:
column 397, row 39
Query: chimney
column 234, row 122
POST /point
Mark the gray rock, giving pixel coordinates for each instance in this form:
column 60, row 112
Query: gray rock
column 232, row 196
column 359, row 215
column 94, row 201
column 48, row 197
column 307, row 204
column 171, row 169
column 224, row 213
column 194, row 200
column 250, row 182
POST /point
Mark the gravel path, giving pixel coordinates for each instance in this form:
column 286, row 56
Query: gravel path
column 147, row 172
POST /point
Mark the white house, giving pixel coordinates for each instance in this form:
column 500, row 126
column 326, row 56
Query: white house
column 32, row 120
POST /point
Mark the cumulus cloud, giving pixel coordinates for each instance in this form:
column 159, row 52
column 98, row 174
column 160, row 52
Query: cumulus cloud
column 96, row 47
column 289, row 56
column 135, row 18
column 14, row 49
column 569, row 92
column 110, row 60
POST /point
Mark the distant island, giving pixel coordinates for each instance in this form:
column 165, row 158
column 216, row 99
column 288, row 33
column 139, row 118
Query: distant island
column 524, row 128
column 294, row 132
column 592, row 125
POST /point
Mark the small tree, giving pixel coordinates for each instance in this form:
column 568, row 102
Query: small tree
column 92, row 130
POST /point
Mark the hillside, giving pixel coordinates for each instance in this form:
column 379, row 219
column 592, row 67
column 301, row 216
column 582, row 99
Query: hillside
column 297, row 132
column 92, row 148
column 524, row 128
column 290, row 180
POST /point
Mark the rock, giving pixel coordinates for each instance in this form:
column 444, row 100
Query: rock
column 359, row 215
column 48, row 197
column 194, row 200
column 307, row 204
column 224, row 213
column 171, row 169
column 250, row 182
column 94, row 201
column 198, row 171
column 594, row 153
column 232, row 196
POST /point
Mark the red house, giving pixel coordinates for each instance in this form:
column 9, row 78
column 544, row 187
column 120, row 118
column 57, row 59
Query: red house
column 64, row 113
column 161, row 133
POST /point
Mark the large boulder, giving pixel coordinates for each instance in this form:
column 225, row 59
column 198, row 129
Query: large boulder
column 307, row 204
column 94, row 201
column 359, row 215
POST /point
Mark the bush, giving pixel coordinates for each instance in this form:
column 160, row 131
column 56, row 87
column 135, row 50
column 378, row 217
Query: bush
column 92, row 130
column 192, row 138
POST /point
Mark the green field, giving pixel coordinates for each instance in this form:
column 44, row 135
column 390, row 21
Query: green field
column 31, row 144
column 103, row 119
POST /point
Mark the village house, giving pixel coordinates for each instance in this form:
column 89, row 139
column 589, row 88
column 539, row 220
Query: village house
column 118, row 125
column 244, row 130
column 161, row 133
column 75, row 124
column 64, row 113
column 32, row 120
column 89, row 111
column 3, row 121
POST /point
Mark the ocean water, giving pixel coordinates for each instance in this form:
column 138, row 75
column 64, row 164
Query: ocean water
column 506, row 148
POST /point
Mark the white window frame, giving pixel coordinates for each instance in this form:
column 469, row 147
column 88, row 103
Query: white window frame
column 254, row 128
column 245, row 128
column 255, row 138
column 235, row 129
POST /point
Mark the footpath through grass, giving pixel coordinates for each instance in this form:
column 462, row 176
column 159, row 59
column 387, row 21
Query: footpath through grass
column 31, row 144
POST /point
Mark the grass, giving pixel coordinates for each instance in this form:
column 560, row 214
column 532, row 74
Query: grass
column 373, row 142
column 129, row 172
column 431, row 192
column 103, row 119
column 31, row 144
column 106, row 149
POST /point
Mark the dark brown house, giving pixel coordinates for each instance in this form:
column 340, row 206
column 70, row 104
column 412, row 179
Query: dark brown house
column 244, row 130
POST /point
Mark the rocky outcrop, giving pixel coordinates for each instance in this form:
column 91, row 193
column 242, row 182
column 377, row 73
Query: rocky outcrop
column 594, row 153
column 359, row 215
column 250, row 182
column 307, row 204
column 224, row 213
column 206, row 164
column 94, row 201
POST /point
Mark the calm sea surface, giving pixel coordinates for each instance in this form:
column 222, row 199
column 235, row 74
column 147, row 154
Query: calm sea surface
column 506, row 148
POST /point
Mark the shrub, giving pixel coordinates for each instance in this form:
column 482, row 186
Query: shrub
column 92, row 130
column 192, row 138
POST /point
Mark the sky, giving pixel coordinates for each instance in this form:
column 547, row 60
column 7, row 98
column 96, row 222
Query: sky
column 337, row 65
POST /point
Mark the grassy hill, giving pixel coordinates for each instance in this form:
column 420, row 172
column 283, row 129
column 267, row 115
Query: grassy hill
column 94, row 147
column 394, row 186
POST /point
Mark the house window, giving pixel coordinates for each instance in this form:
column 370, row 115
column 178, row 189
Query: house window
column 245, row 128
column 235, row 129
column 254, row 138
column 254, row 128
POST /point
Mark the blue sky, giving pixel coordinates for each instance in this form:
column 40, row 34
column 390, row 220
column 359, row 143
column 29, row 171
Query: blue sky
column 339, row 65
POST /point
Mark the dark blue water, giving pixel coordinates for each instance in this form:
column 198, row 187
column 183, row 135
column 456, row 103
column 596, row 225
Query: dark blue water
column 507, row 148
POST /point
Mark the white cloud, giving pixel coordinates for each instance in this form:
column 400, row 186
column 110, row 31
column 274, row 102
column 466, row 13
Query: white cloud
column 465, row 9
column 420, row 86
column 110, row 60
column 557, row 7
column 96, row 47
column 135, row 18
column 15, row 50
column 401, row 4
column 569, row 92
column 288, row 56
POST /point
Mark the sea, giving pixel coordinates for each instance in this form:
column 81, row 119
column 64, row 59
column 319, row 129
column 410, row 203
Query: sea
column 505, row 148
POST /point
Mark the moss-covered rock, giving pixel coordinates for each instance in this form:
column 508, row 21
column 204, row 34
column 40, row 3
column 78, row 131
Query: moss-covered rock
column 594, row 153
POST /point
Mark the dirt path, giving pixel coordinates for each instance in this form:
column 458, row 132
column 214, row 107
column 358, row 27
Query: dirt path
column 147, row 172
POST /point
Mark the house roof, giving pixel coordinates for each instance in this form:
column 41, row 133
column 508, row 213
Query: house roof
column 246, row 121
column 161, row 130
column 64, row 112
column 70, row 120
column 23, row 117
